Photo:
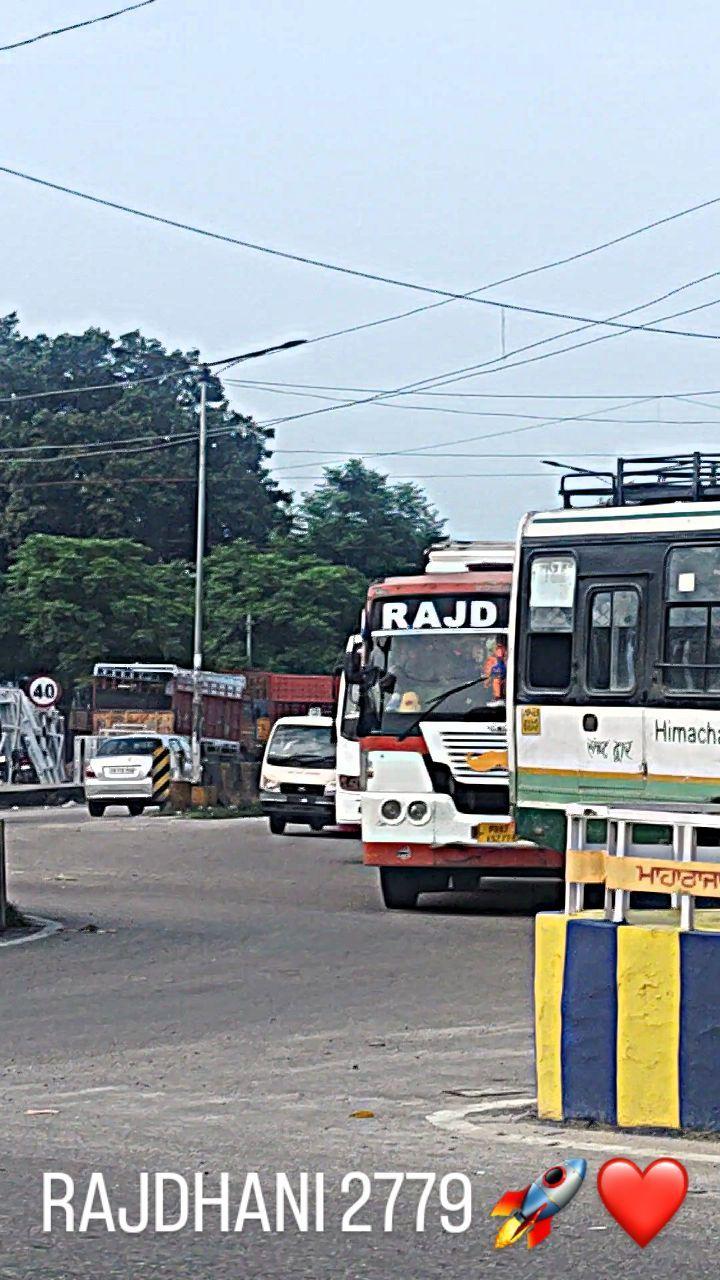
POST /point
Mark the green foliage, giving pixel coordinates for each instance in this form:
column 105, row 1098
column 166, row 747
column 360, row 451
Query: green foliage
column 144, row 493
column 302, row 609
column 96, row 547
column 77, row 601
column 356, row 517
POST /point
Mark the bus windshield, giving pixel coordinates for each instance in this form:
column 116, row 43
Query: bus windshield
column 407, row 673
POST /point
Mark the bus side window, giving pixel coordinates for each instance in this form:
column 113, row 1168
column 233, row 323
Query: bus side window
column 692, row 620
column 613, row 640
column 551, row 618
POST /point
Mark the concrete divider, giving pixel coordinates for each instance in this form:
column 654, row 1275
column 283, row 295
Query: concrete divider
column 38, row 794
column 627, row 1019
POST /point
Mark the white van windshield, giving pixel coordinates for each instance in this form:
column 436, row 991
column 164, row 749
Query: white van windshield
column 302, row 746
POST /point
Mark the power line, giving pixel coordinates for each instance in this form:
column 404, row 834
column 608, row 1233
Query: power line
column 100, row 386
column 460, row 475
column 496, row 364
column 395, row 453
column 493, row 413
column 483, row 454
column 95, row 480
column 351, row 271
column 475, row 371
column 75, row 26
column 472, row 395
column 191, row 367
column 403, row 390
column 519, row 275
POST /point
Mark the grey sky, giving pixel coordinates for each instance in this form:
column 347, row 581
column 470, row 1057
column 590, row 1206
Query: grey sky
column 449, row 144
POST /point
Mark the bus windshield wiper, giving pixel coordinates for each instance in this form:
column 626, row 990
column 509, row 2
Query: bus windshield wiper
column 436, row 703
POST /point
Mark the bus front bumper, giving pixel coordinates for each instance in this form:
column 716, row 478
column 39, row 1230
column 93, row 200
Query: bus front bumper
column 448, row 838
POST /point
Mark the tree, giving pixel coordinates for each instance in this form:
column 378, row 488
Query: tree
column 357, row 518
column 133, row 472
column 302, row 608
column 77, row 601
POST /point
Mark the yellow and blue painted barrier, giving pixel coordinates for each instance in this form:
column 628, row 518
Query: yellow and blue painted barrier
column 627, row 1020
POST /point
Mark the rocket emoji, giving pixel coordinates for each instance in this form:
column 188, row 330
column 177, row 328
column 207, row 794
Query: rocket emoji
column 532, row 1210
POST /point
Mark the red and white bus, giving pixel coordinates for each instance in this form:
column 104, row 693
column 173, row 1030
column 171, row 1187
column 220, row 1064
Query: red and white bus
column 432, row 728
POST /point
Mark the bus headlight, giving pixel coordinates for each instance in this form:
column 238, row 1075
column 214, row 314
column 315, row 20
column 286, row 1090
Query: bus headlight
column 391, row 810
column 418, row 812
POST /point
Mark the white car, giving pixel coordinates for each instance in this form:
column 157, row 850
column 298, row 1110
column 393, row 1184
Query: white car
column 120, row 770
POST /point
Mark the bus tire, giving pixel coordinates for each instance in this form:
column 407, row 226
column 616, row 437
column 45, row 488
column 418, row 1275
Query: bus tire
column 96, row 808
column 399, row 888
column 277, row 825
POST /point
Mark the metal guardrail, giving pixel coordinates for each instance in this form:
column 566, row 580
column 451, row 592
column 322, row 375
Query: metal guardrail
column 684, row 868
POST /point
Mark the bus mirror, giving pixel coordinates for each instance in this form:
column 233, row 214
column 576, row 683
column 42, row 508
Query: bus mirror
column 352, row 667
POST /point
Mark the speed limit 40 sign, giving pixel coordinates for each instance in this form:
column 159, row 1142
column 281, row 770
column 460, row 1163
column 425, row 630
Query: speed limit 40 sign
column 44, row 691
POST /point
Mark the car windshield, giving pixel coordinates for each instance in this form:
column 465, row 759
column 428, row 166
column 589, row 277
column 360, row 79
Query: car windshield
column 409, row 672
column 302, row 746
column 128, row 746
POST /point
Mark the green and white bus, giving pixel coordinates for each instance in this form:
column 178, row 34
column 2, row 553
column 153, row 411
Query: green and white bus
column 614, row 671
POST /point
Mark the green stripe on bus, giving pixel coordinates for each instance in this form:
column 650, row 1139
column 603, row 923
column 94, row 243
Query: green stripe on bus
column 626, row 515
column 550, row 787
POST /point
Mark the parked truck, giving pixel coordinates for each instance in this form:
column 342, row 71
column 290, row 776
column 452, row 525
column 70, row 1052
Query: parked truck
column 239, row 708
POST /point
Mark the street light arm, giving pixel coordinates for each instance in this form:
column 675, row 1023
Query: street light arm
column 264, row 351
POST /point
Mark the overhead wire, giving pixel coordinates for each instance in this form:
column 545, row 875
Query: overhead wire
column 468, row 373
column 491, row 413
column 374, row 277
column 472, row 395
column 75, row 26
column 375, row 398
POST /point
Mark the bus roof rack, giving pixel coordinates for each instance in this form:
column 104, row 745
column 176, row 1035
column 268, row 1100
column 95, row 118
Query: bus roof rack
column 689, row 477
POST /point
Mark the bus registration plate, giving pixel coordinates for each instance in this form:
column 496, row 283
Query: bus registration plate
column 495, row 833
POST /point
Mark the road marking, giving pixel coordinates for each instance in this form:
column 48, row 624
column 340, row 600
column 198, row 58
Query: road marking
column 530, row 1133
column 424, row 1033
column 48, row 928
column 454, row 1120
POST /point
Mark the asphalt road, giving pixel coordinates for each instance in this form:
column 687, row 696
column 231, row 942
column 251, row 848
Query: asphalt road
column 238, row 998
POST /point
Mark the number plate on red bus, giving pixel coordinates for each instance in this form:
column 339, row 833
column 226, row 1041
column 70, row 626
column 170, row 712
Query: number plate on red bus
column 495, row 833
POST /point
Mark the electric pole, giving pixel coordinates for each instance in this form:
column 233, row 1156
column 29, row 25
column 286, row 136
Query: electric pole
column 249, row 624
column 199, row 559
column 200, row 542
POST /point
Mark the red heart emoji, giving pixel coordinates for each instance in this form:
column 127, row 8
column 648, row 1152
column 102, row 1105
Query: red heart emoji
column 642, row 1202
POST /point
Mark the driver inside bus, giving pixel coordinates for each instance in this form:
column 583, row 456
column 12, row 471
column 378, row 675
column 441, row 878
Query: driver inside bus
column 419, row 672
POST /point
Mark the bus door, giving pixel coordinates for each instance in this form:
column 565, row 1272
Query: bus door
column 611, row 674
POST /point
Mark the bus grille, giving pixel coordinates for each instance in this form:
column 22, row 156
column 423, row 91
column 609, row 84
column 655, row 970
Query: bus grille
column 452, row 746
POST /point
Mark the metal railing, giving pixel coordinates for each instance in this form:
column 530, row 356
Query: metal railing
column 687, row 868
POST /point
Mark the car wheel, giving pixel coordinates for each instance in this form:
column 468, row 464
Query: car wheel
column 135, row 807
column 96, row 808
column 277, row 826
column 399, row 888
column 316, row 824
